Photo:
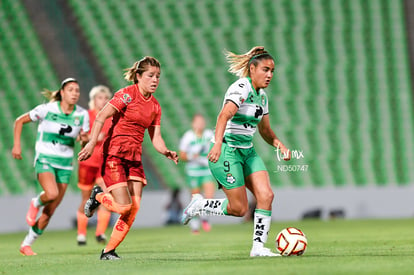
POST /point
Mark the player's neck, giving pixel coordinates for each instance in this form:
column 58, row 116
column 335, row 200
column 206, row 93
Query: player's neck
column 66, row 108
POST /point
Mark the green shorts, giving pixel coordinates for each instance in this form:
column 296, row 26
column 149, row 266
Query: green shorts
column 61, row 175
column 197, row 182
column 234, row 165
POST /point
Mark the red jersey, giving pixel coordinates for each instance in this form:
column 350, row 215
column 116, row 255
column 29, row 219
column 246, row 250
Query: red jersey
column 135, row 114
column 96, row 158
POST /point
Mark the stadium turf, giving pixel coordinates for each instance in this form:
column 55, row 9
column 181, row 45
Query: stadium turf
column 335, row 247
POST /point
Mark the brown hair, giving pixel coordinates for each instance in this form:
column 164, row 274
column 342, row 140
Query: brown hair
column 240, row 63
column 140, row 67
column 56, row 95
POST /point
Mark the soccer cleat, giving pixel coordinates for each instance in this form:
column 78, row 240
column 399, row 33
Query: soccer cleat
column 91, row 204
column 206, row 226
column 32, row 213
column 101, row 239
column 81, row 239
column 191, row 210
column 27, row 251
column 262, row 252
column 110, row 255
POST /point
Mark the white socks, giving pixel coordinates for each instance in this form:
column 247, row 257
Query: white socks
column 213, row 207
column 37, row 202
column 262, row 220
column 30, row 238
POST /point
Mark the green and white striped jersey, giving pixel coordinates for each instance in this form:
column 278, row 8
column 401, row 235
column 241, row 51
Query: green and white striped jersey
column 252, row 106
column 57, row 132
column 192, row 146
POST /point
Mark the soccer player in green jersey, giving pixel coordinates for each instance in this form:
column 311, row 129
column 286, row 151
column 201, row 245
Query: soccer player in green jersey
column 60, row 123
column 233, row 160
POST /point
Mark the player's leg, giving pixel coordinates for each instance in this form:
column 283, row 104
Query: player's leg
column 209, row 189
column 86, row 177
column 82, row 220
column 125, row 221
column 193, row 184
column 135, row 183
column 46, row 178
column 258, row 182
column 104, row 215
column 228, row 172
column 37, row 229
column 117, row 199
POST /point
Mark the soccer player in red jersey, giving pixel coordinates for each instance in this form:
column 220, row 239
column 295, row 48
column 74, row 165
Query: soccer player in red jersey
column 89, row 172
column 133, row 109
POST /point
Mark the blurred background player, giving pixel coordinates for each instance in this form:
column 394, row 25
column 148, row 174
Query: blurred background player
column 194, row 147
column 233, row 160
column 61, row 122
column 134, row 109
column 90, row 170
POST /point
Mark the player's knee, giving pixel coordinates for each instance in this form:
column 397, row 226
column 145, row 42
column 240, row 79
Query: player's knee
column 266, row 197
column 51, row 195
column 238, row 210
column 125, row 209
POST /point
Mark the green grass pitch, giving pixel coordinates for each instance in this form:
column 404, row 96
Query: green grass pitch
column 334, row 247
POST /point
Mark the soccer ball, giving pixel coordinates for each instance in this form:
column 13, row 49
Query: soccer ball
column 291, row 241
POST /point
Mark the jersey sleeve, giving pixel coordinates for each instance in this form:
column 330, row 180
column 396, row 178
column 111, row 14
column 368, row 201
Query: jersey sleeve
column 121, row 99
column 38, row 113
column 86, row 126
column 157, row 119
column 266, row 105
column 184, row 142
column 237, row 92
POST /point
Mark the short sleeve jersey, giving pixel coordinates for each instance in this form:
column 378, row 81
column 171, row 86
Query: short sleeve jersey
column 193, row 145
column 135, row 114
column 96, row 158
column 252, row 106
column 57, row 133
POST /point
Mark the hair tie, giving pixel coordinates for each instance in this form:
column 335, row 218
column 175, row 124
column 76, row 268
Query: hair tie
column 259, row 55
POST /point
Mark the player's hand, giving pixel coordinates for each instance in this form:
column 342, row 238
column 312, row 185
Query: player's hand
column 86, row 151
column 172, row 155
column 214, row 153
column 17, row 152
column 286, row 152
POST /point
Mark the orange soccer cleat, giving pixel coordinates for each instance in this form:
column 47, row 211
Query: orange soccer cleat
column 27, row 251
column 32, row 213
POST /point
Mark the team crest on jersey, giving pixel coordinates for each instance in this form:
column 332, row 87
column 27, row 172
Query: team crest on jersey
column 126, row 99
column 76, row 121
column 230, row 179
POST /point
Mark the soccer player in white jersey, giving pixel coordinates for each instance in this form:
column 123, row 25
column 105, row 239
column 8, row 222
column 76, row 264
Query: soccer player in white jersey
column 194, row 147
column 60, row 123
column 233, row 160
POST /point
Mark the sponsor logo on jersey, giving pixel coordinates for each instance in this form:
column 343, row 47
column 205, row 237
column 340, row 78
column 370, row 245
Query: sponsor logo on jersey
column 126, row 99
column 230, row 179
column 76, row 121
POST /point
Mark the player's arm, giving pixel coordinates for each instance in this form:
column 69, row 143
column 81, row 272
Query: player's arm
column 18, row 126
column 270, row 137
column 107, row 111
column 159, row 144
column 228, row 111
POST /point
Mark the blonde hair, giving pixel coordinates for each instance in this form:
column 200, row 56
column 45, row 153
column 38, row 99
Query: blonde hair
column 140, row 67
column 56, row 95
column 96, row 90
column 240, row 63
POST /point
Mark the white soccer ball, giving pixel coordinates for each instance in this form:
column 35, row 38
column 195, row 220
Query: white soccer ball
column 291, row 241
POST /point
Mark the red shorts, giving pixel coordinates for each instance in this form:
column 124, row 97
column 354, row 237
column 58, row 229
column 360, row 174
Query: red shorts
column 88, row 176
column 118, row 171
